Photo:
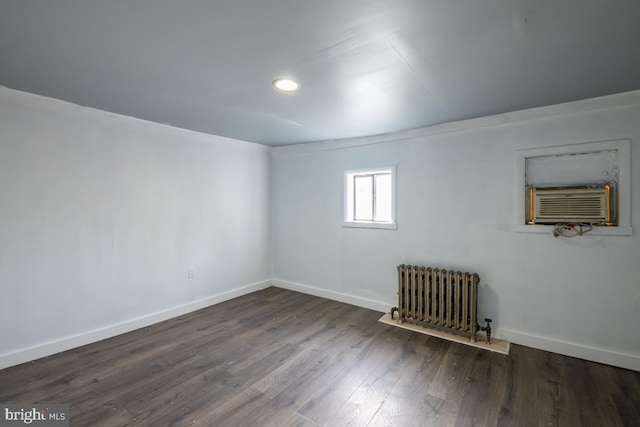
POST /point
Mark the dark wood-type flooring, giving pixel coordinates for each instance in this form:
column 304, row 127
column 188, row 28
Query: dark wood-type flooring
column 282, row 358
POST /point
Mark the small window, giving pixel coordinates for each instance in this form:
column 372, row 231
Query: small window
column 370, row 198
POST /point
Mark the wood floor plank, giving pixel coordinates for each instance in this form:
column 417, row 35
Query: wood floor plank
column 556, row 392
column 486, row 378
column 281, row 358
column 435, row 412
column 360, row 408
column 404, row 403
column 519, row 388
column 279, row 379
column 329, row 396
column 174, row 387
column 453, row 373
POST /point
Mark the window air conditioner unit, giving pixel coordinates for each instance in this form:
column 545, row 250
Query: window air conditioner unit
column 594, row 204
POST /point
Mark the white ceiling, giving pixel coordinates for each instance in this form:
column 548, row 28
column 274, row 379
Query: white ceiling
column 365, row 67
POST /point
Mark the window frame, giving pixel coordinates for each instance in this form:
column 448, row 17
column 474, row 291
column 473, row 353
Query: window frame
column 349, row 198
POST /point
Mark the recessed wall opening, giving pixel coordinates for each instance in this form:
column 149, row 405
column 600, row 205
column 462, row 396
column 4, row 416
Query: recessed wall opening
column 585, row 184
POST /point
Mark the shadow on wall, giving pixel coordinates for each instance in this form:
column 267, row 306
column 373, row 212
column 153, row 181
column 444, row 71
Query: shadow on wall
column 488, row 305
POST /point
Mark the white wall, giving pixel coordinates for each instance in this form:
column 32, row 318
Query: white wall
column 101, row 215
column 455, row 208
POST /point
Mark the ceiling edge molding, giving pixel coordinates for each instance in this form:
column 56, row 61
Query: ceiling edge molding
column 619, row 100
column 34, row 100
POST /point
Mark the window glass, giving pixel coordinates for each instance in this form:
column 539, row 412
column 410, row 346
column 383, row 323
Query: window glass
column 382, row 197
column 363, row 197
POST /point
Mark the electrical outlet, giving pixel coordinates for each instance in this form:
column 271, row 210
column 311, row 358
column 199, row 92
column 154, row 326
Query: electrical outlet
column 191, row 272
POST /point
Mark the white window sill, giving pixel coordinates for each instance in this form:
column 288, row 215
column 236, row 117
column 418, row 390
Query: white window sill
column 597, row 230
column 367, row 224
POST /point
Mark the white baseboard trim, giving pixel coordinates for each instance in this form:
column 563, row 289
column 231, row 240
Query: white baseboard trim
column 382, row 307
column 623, row 360
column 600, row 355
column 67, row 343
column 594, row 354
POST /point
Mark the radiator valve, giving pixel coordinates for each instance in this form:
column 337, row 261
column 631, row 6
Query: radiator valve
column 394, row 311
column 487, row 329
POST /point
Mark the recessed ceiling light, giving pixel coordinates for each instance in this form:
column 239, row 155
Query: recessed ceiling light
column 285, row 85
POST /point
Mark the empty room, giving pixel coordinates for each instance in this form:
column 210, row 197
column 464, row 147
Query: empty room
column 320, row 213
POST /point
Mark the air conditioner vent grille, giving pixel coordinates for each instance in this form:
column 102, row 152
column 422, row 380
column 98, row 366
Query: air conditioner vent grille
column 590, row 204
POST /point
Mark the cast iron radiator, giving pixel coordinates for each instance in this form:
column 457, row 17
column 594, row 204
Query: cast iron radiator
column 442, row 298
